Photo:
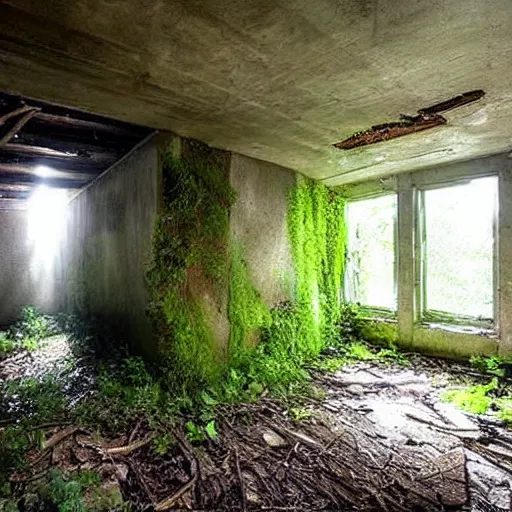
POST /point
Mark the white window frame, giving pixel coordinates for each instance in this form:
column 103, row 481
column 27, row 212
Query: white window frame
column 423, row 315
column 369, row 311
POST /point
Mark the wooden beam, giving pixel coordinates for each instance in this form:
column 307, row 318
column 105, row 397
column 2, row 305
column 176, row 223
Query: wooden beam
column 75, row 182
column 30, row 164
column 79, row 154
column 18, row 126
column 13, row 194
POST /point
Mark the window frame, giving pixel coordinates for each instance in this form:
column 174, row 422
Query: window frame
column 368, row 311
column 432, row 318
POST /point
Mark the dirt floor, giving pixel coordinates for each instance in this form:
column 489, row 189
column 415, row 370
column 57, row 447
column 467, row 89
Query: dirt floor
column 371, row 437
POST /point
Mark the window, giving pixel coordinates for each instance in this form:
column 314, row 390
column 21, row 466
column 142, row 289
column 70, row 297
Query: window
column 371, row 271
column 456, row 232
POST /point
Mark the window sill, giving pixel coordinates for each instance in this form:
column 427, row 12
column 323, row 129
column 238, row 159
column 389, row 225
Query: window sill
column 461, row 329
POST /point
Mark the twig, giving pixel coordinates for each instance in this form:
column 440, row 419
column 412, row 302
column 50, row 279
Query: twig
column 441, row 427
column 134, row 431
column 32, row 478
column 50, row 425
column 241, row 479
column 41, row 457
column 141, row 480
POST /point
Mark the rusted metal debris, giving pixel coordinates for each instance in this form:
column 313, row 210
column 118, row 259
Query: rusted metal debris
column 428, row 117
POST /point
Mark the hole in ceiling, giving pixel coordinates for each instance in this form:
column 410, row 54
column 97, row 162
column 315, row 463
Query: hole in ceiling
column 426, row 118
column 56, row 146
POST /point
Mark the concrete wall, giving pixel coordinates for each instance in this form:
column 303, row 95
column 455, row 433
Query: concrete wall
column 23, row 280
column 108, row 245
column 258, row 222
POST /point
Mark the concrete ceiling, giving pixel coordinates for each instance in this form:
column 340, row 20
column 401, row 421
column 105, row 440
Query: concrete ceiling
column 279, row 80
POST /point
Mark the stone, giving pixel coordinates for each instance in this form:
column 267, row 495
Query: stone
column 356, row 389
column 273, row 440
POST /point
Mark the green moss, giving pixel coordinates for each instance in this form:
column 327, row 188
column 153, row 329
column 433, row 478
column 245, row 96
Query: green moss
column 505, row 409
column 189, row 259
column 378, row 332
column 248, row 314
column 317, row 235
column 292, row 333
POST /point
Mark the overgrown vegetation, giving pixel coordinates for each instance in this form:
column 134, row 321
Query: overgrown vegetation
column 493, row 397
column 27, row 332
column 475, row 399
column 189, row 260
column 267, row 348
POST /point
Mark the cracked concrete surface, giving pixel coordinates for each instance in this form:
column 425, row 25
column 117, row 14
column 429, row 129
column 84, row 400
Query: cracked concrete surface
column 279, row 81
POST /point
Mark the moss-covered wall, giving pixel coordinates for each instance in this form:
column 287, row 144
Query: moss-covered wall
column 262, row 269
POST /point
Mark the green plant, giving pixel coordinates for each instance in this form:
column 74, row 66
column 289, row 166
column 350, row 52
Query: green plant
column 65, row 494
column 298, row 414
column 40, row 400
column 7, row 345
column 505, row 409
column 211, row 430
column 474, row 399
column 31, row 328
column 162, row 444
column 491, row 364
column 200, row 433
column 14, row 444
column 27, row 332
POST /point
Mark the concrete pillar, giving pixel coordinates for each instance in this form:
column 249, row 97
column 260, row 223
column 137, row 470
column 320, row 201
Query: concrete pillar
column 505, row 258
column 406, row 289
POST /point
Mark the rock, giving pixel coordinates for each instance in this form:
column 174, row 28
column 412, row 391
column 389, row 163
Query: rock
column 273, row 440
column 356, row 389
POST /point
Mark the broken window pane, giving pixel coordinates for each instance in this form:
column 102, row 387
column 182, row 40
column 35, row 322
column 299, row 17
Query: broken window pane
column 370, row 276
column 459, row 224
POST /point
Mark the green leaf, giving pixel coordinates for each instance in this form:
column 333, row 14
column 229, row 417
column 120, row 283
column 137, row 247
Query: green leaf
column 210, row 430
column 207, row 399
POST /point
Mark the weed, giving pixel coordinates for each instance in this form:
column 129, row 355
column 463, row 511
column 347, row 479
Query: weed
column 163, row 443
column 7, row 345
column 67, row 495
column 298, row 414
column 505, row 409
column 486, row 364
column 40, row 400
column 27, row 332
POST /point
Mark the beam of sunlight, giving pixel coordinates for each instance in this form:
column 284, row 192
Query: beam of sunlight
column 46, row 227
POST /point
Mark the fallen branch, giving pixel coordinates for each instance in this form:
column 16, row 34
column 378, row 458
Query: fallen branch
column 445, row 428
column 129, row 448
column 59, row 437
column 14, row 113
